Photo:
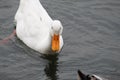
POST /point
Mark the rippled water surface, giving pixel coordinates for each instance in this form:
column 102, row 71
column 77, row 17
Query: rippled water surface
column 91, row 35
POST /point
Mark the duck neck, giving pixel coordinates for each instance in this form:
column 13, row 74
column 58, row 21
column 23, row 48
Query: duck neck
column 22, row 2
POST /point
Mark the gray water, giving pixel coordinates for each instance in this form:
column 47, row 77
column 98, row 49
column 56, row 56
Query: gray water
column 91, row 35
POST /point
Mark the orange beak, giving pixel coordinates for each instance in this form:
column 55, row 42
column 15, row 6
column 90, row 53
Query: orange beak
column 55, row 43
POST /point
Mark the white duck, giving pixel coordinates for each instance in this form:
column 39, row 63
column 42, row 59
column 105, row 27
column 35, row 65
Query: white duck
column 36, row 28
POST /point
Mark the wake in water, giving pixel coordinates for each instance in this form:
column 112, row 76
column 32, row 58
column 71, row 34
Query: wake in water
column 5, row 40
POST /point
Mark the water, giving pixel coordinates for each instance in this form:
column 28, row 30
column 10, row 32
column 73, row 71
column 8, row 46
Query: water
column 91, row 35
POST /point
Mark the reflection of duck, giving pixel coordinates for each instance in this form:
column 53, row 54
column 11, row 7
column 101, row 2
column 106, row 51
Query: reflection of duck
column 51, row 67
column 82, row 76
column 36, row 28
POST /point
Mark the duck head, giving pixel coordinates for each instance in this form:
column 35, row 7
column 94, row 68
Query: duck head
column 82, row 76
column 56, row 31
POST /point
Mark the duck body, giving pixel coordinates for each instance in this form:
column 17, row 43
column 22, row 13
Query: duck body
column 82, row 76
column 33, row 26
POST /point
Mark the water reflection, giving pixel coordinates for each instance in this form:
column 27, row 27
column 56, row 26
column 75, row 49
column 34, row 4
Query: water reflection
column 51, row 67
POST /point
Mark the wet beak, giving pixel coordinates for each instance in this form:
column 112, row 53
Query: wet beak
column 55, row 43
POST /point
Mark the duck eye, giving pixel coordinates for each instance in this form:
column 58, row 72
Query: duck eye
column 51, row 27
column 60, row 28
